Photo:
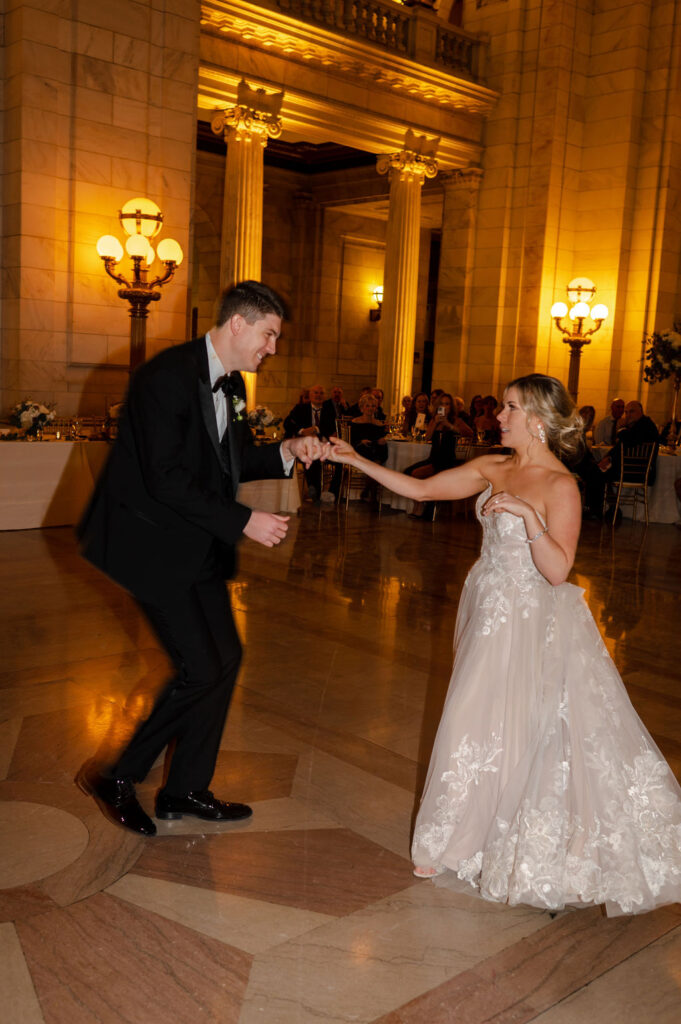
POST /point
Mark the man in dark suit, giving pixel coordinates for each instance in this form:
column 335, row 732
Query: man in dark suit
column 638, row 429
column 164, row 523
column 312, row 419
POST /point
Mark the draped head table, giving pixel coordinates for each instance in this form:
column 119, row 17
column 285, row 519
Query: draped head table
column 49, row 483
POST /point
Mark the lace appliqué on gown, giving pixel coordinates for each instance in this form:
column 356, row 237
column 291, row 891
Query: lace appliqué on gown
column 470, row 761
column 555, row 793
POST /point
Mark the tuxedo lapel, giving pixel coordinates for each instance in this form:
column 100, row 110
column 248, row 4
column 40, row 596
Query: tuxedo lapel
column 234, row 428
column 206, row 400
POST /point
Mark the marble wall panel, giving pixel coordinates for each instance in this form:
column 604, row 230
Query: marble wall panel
column 92, row 41
column 127, row 12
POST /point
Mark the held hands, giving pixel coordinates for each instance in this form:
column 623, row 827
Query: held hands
column 307, row 448
column 266, row 528
column 340, row 451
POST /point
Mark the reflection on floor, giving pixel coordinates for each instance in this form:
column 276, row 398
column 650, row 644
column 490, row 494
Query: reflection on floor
column 309, row 911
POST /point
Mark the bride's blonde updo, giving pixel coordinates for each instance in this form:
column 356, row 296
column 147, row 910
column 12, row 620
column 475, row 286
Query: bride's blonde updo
column 546, row 398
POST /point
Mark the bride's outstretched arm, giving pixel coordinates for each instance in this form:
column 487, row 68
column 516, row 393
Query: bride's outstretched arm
column 461, row 482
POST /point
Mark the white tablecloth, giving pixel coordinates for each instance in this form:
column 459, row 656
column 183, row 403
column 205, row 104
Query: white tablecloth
column 400, row 455
column 663, row 506
column 271, row 495
column 47, row 483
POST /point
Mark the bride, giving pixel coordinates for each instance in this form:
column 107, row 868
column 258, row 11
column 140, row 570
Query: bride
column 544, row 786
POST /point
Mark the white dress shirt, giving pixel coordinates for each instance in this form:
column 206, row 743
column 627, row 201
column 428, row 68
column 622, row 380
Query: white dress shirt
column 215, row 371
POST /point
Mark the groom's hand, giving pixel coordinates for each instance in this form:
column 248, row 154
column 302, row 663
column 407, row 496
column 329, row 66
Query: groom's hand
column 307, row 449
column 266, row 528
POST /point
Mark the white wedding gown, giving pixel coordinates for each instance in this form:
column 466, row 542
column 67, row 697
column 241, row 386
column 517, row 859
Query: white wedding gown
column 544, row 786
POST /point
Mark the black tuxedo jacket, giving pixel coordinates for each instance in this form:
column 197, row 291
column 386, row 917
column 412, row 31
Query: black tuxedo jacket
column 301, row 417
column 168, row 490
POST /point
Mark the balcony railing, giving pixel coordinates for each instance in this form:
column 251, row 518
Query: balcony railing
column 414, row 32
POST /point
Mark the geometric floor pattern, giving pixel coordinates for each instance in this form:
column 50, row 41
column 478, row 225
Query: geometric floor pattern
column 308, row 912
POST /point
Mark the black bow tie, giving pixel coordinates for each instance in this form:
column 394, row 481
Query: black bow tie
column 226, row 384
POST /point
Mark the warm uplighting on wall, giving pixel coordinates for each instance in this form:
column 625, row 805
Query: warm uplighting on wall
column 580, row 292
column 377, row 295
column 142, row 220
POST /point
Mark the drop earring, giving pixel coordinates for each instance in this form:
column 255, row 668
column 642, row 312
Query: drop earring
column 542, row 433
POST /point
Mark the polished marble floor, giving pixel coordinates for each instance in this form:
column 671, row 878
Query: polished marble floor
column 309, row 911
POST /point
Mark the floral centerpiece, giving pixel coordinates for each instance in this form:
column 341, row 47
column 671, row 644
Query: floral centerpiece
column 261, row 417
column 663, row 360
column 31, row 416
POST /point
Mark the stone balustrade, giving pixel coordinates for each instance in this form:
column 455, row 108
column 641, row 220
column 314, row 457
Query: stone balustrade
column 415, row 32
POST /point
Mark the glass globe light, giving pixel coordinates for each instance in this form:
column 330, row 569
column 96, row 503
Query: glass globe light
column 558, row 310
column 599, row 312
column 170, row 251
column 579, row 311
column 141, row 217
column 137, row 245
column 378, row 294
column 108, row 247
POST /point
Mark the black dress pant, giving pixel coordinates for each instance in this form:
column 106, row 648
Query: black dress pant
column 196, row 628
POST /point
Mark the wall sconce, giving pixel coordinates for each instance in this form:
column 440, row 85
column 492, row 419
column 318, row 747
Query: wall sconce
column 375, row 314
column 141, row 219
column 580, row 292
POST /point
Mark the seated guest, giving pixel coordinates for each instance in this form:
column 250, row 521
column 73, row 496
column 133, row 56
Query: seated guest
column 336, row 407
column 638, row 429
column 477, row 408
column 605, row 431
column 379, row 396
column 304, row 396
column 443, row 431
column 667, row 429
column 307, row 418
column 434, row 395
column 487, row 425
column 367, row 436
column 404, row 415
column 588, row 414
column 460, row 407
column 354, row 410
column 419, row 405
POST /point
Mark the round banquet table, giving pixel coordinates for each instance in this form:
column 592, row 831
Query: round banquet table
column 400, row 455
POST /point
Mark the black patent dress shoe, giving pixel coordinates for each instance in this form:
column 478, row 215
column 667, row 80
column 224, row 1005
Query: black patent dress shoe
column 201, row 804
column 116, row 799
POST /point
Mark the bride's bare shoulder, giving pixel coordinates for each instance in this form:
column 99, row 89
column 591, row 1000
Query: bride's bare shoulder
column 561, row 483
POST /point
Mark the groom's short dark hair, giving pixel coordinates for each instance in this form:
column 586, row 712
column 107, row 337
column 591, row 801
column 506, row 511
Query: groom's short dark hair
column 252, row 300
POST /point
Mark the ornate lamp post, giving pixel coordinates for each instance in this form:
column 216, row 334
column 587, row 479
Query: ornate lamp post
column 580, row 293
column 141, row 219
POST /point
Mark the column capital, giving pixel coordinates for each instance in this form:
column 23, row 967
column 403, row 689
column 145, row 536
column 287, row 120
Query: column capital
column 256, row 115
column 415, row 160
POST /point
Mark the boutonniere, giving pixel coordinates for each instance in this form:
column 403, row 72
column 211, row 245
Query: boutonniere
column 239, row 407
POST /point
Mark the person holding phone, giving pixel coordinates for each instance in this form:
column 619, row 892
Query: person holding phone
column 443, row 431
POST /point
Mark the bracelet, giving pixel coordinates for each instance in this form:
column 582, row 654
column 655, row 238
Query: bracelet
column 531, row 540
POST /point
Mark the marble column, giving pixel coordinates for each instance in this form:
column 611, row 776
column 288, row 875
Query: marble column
column 457, row 255
column 246, row 129
column 408, row 170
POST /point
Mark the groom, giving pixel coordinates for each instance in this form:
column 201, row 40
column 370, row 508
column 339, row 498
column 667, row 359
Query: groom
column 164, row 523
